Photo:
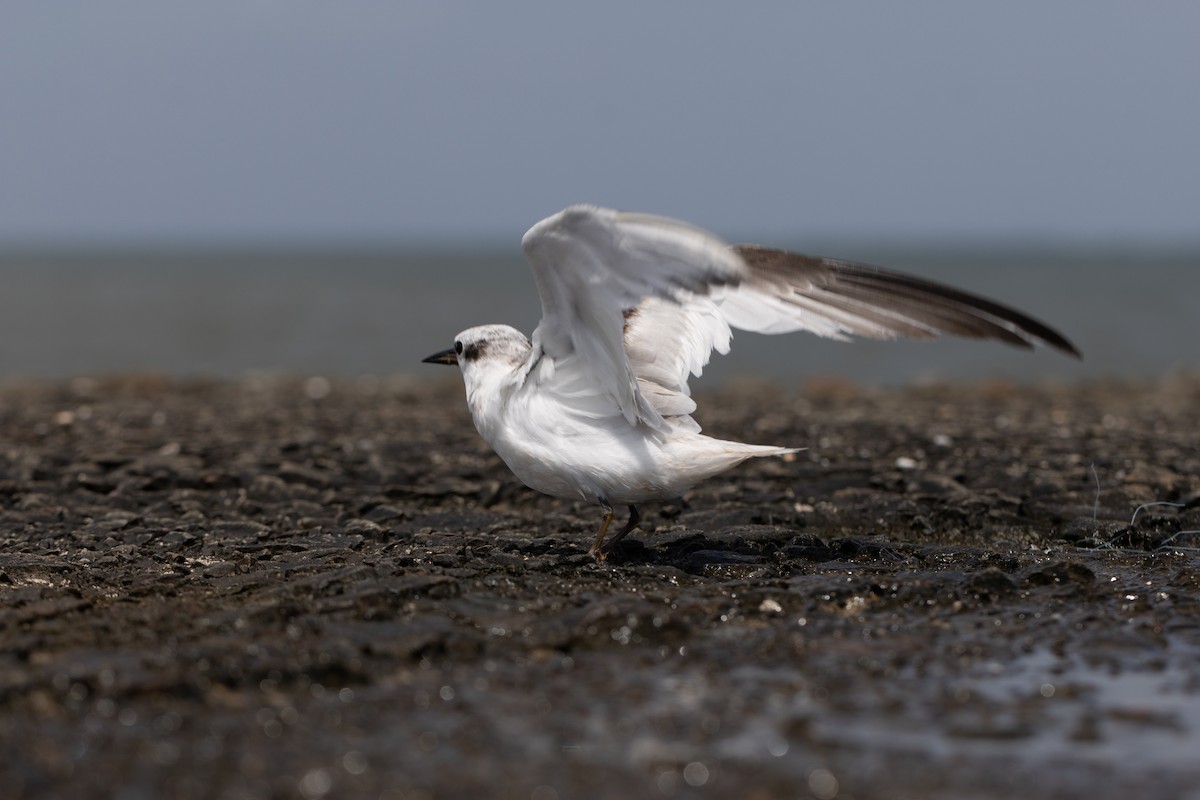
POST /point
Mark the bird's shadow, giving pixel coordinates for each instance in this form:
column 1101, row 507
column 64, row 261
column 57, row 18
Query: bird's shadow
column 702, row 553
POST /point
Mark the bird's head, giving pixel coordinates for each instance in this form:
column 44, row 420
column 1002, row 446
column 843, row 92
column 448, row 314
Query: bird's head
column 485, row 352
column 491, row 358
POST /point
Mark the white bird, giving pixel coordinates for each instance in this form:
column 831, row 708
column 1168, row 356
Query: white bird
column 597, row 405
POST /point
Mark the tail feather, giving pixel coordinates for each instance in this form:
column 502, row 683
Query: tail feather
column 702, row 457
column 760, row 450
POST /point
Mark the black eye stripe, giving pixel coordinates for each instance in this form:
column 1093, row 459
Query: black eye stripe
column 473, row 351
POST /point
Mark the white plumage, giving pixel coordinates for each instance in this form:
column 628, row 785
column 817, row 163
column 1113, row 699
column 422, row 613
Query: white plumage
column 597, row 405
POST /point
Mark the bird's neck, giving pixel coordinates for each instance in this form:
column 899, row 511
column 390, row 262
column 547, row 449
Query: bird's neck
column 488, row 394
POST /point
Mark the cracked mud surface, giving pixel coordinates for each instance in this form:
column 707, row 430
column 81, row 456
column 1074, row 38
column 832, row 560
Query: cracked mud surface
column 278, row 588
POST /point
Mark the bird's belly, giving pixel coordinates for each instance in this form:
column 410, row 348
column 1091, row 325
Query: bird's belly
column 592, row 462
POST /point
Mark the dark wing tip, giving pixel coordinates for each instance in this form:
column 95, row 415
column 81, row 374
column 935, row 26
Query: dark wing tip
column 881, row 279
column 942, row 307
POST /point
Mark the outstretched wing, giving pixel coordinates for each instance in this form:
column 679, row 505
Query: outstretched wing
column 791, row 291
column 633, row 304
column 592, row 265
column 784, row 292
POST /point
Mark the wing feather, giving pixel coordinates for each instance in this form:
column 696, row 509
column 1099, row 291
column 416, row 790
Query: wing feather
column 898, row 304
column 785, row 292
column 633, row 305
column 593, row 264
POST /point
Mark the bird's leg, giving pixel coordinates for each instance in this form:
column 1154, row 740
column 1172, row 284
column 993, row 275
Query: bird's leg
column 596, row 552
column 634, row 519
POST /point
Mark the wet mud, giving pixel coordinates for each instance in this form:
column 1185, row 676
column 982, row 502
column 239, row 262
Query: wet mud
column 289, row 588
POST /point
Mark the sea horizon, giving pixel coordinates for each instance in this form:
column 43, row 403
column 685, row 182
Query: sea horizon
column 225, row 309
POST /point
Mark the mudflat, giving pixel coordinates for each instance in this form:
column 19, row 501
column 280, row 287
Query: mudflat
column 282, row 588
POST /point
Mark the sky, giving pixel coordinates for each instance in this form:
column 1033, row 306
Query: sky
column 369, row 122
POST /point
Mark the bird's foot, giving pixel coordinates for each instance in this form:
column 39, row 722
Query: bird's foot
column 597, row 551
column 600, row 550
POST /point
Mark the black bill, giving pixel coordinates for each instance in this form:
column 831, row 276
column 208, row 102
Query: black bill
column 444, row 357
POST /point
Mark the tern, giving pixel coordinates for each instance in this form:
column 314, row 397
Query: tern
column 596, row 405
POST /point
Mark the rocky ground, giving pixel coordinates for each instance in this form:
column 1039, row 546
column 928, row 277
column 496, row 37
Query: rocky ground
column 291, row 588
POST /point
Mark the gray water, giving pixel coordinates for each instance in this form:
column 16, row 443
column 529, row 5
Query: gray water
column 1133, row 313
